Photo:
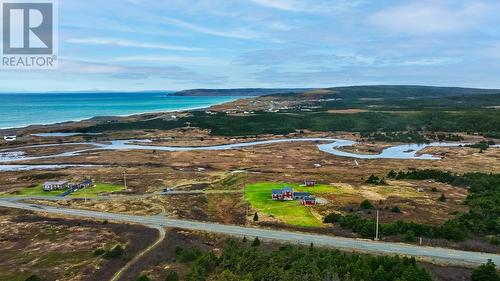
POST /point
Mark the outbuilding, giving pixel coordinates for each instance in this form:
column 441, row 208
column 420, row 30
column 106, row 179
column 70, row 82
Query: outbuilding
column 308, row 201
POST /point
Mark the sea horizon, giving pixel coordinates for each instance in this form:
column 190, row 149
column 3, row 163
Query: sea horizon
column 19, row 110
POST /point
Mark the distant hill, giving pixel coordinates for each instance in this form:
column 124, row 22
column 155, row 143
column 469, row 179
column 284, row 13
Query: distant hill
column 238, row 92
column 387, row 92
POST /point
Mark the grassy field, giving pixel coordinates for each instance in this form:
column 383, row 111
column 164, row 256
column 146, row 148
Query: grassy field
column 37, row 191
column 34, row 191
column 96, row 190
column 290, row 212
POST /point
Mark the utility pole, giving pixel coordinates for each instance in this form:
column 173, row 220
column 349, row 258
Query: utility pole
column 376, row 230
column 125, row 179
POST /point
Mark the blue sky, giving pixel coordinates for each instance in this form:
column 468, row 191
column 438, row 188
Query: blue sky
column 132, row 45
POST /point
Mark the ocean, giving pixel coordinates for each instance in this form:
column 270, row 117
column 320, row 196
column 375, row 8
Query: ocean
column 19, row 110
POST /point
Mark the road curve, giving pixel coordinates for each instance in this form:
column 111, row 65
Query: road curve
column 441, row 255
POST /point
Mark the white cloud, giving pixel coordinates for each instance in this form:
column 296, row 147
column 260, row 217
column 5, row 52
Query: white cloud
column 128, row 43
column 126, row 72
column 178, row 60
column 318, row 6
column 431, row 16
column 239, row 33
column 289, row 5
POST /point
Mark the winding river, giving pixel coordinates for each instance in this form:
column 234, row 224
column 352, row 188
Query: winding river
column 327, row 145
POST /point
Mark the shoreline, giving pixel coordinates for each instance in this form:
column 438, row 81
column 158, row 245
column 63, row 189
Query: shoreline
column 89, row 119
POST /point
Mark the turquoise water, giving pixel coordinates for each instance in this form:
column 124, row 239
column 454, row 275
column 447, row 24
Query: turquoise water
column 18, row 110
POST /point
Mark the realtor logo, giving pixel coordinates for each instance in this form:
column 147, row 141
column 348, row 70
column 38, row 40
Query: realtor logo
column 29, row 34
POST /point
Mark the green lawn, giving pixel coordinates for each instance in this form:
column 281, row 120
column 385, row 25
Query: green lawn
column 33, row 191
column 290, row 212
column 86, row 192
column 94, row 191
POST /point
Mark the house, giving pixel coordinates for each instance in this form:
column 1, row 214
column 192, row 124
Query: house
column 308, row 201
column 277, row 194
column 282, row 194
column 84, row 183
column 309, row 183
column 300, row 195
column 10, row 138
column 55, row 185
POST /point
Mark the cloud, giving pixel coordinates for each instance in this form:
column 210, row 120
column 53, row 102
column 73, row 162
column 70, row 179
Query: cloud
column 129, row 44
column 431, row 16
column 319, row 6
column 289, row 5
column 238, row 33
column 179, row 60
column 117, row 71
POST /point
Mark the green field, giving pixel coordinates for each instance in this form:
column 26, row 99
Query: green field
column 37, row 191
column 94, row 191
column 290, row 212
column 34, row 191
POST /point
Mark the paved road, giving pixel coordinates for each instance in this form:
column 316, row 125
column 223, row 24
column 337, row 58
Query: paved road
column 121, row 196
column 449, row 256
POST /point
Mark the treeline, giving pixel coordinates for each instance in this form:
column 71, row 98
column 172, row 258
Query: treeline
column 410, row 137
column 484, row 122
column 406, row 137
column 294, row 263
column 451, row 230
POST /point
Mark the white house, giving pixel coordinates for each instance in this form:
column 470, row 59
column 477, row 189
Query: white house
column 10, row 138
column 55, row 185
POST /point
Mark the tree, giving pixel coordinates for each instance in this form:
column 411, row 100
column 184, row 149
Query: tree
column 372, row 179
column 115, row 253
column 409, row 236
column 485, row 272
column 332, row 217
column 227, row 275
column 33, row 278
column 366, row 205
column 244, row 239
column 255, row 217
column 143, row 278
column 256, row 242
column 392, row 174
column 172, row 276
column 442, row 198
column 396, row 209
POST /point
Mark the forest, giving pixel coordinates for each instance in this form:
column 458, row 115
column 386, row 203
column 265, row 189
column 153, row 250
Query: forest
column 247, row 261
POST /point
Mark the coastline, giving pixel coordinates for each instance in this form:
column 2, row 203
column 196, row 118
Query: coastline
column 91, row 119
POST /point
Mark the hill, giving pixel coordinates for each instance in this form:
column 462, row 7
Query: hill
column 388, row 92
column 250, row 92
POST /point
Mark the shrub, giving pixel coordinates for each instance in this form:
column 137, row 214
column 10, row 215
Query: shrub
column 396, row 209
column 256, row 242
column 172, row 276
column 442, row 198
column 410, row 236
column 255, row 217
column 33, row 278
column 186, row 255
column 332, row 217
column 115, row 253
column 485, row 272
column 143, row 278
column 366, row 205
column 99, row 252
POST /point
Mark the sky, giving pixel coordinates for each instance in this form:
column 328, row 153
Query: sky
column 137, row 45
